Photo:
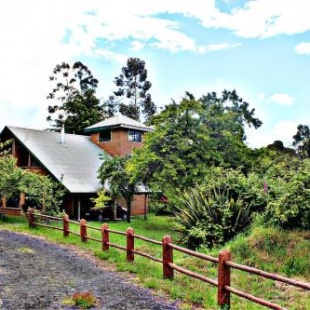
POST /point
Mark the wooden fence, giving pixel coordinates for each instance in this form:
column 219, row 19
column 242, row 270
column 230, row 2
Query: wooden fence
column 225, row 265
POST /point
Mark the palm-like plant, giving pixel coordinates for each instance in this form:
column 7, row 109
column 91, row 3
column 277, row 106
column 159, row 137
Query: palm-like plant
column 210, row 218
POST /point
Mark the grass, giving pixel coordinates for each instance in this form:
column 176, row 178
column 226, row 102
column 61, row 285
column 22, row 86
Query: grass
column 269, row 249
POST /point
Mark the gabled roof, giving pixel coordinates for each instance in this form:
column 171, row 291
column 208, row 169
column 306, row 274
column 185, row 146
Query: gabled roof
column 75, row 163
column 118, row 121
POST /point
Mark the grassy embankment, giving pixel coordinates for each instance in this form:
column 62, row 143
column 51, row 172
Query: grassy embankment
column 285, row 253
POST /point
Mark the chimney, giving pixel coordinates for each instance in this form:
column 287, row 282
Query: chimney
column 63, row 133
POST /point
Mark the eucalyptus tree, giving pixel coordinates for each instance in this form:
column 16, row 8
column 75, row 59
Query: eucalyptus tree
column 74, row 97
column 132, row 95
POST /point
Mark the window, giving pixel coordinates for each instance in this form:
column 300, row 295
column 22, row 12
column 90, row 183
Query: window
column 105, row 135
column 134, row 136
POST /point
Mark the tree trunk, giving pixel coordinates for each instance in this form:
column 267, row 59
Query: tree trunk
column 128, row 210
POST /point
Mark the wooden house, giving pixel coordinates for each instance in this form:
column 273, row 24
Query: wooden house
column 74, row 160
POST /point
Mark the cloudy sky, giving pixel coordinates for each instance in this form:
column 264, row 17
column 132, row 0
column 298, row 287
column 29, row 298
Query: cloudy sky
column 260, row 48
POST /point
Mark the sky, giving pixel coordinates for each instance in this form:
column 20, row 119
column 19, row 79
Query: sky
column 260, row 48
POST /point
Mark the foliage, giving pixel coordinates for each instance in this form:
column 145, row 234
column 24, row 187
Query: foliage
column 289, row 194
column 190, row 137
column 84, row 300
column 274, row 250
column 10, row 175
column 41, row 192
column 74, row 90
column 249, row 188
column 210, row 218
column 278, row 148
column 101, row 200
column 302, row 141
column 134, row 87
column 159, row 208
column 285, row 200
column 113, row 172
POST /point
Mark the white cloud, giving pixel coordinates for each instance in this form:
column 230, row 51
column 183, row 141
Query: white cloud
column 282, row 130
column 303, row 48
column 36, row 35
column 137, row 45
column 282, row 99
column 219, row 47
column 261, row 18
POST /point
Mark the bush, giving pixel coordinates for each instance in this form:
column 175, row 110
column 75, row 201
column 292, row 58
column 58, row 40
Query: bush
column 159, row 208
column 249, row 188
column 210, row 218
column 289, row 199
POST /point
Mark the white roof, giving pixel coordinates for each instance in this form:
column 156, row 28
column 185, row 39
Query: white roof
column 118, row 121
column 75, row 163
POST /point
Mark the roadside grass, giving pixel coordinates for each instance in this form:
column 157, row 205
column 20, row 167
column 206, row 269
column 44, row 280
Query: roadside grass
column 269, row 249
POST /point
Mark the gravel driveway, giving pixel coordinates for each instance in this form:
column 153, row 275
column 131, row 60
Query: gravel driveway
column 36, row 274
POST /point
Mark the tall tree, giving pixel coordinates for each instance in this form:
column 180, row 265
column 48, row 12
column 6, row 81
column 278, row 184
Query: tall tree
column 133, row 91
column 74, row 90
column 302, row 141
column 189, row 137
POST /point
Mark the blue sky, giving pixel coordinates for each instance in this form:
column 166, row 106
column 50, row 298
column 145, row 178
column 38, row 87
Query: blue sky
column 259, row 48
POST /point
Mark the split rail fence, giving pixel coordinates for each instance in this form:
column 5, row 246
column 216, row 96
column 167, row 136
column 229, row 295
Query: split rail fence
column 225, row 265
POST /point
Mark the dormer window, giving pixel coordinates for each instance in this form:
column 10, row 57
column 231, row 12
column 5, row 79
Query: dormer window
column 105, row 135
column 134, row 136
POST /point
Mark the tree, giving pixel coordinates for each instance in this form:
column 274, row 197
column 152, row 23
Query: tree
column 231, row 103
column 10, row 175
column 44, row 193
column 41, row 192
column 189, row 138
column 133, row 91
column 76, row 103
column 114, row 173
column 302, row 141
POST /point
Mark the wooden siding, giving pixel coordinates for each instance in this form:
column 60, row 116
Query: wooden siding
column 119, row 144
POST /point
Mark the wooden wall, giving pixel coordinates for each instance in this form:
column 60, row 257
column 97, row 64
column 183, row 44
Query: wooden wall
column 119, row 144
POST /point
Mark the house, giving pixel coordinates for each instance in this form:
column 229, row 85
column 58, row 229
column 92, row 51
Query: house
column 74, row 160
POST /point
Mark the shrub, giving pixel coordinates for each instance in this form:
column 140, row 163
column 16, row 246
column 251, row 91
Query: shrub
column 289, row 202
column 249, row 188
column 210, row 218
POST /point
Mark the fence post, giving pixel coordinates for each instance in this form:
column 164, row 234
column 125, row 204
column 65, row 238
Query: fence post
column 31, row 218
column 167, row 257
column 130, row 244
column 105, row 237
column 223, row 296
column 66, row 225
column 83, row 230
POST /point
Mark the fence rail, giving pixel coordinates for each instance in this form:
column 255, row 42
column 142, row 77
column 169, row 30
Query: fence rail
column 223, row 261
